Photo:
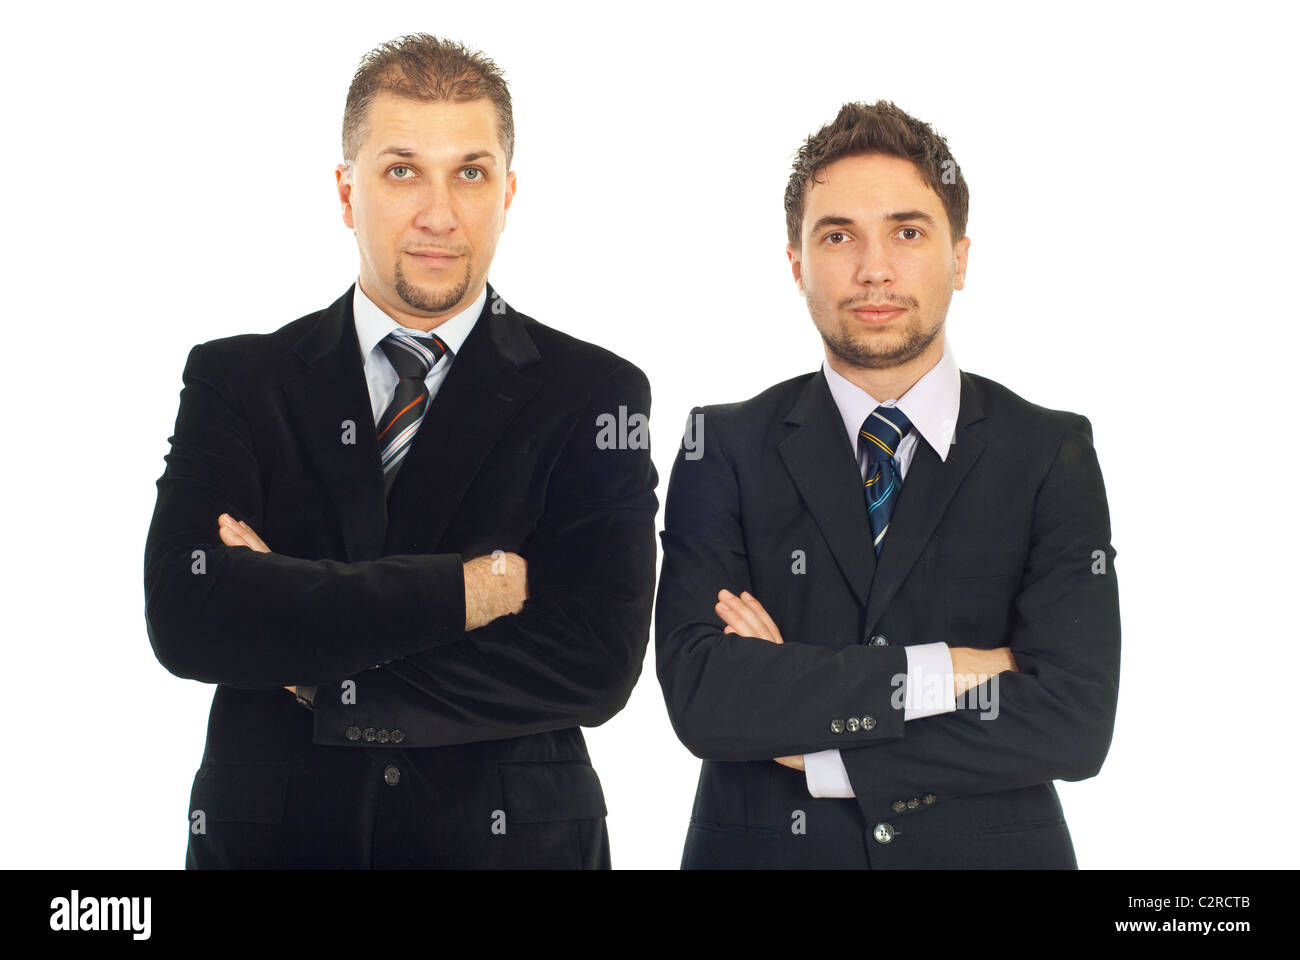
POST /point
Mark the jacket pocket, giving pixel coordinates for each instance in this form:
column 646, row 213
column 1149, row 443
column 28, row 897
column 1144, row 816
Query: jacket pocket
column 545, row 791
column 240, row 792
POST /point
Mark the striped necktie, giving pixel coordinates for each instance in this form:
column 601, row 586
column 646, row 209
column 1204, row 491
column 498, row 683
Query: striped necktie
column 881, row 433
column 412, row 358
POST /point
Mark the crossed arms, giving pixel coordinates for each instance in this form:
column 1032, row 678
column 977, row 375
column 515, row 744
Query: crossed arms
column 736, row 697
column 227, row 614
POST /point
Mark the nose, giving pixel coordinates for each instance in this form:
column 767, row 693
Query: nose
column 874, row 266
column 437, row 211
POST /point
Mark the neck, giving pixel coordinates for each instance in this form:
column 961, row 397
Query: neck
column 888, row 383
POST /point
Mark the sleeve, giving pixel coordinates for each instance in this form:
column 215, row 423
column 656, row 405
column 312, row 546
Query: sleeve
column 573, row 654
column 1054, row 718
column 231, row 615
column 825, row 774
column 928, row 692
column 731, row 697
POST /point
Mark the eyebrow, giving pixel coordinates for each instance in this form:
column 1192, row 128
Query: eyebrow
column 897, row 217
column 407, row 152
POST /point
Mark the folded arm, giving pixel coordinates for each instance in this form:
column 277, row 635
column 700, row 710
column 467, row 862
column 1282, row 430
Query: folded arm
column 734, row 697
column 574, row 652
column 1053, row 718
column 227, row 614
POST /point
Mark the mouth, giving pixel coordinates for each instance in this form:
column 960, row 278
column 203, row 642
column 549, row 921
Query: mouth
column 877, row 316
column 433, row 259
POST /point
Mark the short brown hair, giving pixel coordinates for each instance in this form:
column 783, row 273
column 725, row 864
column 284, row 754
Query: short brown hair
column 879, row 128
column 424, row 67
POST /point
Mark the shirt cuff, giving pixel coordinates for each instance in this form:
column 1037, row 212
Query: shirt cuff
column 826, row 775
column 929, row 682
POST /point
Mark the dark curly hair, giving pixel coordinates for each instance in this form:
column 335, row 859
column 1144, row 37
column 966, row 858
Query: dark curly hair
column 879, row 128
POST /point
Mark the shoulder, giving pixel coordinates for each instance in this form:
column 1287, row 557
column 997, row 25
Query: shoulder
column 578, row 366
column 243, row 349
column 1010, row 410
column 563, row 353
column 767, row 407
column 1029, row 433
column 743, row 430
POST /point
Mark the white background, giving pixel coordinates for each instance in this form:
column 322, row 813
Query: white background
column 168, row 179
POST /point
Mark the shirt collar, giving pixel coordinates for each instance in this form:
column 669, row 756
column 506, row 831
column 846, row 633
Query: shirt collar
column 931, row 403
column 373, row 324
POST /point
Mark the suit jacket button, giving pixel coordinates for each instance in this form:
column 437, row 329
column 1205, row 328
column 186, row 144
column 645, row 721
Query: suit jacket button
column 898, row 806
column 883, row 833
column 913, row 803
column 879, row 640
column 368, row 734
column 392, row 775
column 398, row 736
column 868, row 723
column 837, row 725
column 352, row 733
column 929, row 798
column 852, row 725
column 381, row 736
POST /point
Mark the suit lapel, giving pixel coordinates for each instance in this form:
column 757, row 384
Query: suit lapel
column 330, row 394
column 482, row 393
column 824, row 468
column 927, row 490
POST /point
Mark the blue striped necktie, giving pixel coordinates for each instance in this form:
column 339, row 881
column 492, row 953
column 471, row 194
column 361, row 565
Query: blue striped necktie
column 881, row 433
column 412, row 358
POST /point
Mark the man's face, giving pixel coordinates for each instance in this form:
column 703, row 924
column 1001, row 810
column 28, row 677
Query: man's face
column 427, row 197
column 875, row 236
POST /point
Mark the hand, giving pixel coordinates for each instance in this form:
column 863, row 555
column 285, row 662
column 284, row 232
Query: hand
column 971, row 666
column 745, row 616
column 495, row 585
column 236, row 533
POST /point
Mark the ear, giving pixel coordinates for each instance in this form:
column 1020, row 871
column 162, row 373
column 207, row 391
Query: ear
column 343, row 180
column 796, row 264
column 961, row 251
column 511, row 185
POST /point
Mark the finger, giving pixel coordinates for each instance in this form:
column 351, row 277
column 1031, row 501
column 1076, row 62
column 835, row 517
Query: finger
column 729, row 608
column 758, row 626
column 233, row 536
column 255, row 541
column 774, row 634
column 735, row 614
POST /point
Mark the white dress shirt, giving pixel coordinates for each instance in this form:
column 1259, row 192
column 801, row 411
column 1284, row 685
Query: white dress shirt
column 931, row 405
column 373, row 325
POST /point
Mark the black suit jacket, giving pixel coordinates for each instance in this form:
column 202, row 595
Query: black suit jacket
column 428, row 746
column 1006, row 543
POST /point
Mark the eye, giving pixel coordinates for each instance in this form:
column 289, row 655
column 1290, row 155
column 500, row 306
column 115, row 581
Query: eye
column 477, row 171
column 912, row 230
column 400, row 166
column 836, row 233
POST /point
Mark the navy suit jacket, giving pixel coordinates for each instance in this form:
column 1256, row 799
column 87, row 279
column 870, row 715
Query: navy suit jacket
column 1004, row 543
